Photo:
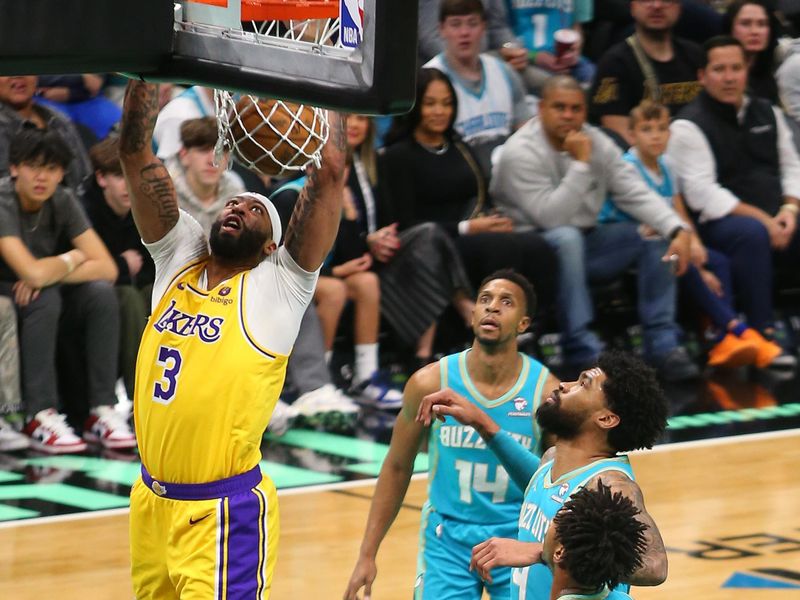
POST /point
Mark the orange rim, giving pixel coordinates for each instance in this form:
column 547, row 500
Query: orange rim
column 284, row 10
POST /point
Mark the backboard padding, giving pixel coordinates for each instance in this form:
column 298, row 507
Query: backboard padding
column 84, row 36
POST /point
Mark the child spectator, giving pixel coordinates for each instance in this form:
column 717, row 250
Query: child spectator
column 708, row 278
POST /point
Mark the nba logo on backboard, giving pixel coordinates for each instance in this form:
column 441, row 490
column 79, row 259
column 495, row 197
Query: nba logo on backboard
column 351, row 23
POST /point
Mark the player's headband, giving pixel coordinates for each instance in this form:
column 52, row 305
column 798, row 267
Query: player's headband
column 274, row 217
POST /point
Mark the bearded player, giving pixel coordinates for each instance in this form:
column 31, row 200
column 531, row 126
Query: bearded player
column 204, row 520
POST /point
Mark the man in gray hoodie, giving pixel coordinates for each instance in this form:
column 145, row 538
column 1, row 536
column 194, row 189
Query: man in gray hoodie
column 553, row 175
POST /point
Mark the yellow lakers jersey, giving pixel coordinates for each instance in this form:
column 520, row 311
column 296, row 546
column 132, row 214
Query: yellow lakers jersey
column 205, row 390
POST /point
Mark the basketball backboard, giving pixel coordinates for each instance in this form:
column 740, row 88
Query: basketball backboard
column 355, row 55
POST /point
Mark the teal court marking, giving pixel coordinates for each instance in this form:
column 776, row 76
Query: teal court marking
column 726, row 417
column 60, row 493
column 6, row 476
column 369, row 454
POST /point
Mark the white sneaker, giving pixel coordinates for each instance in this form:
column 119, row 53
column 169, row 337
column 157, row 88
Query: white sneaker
column 10, row 438
column 328, row 407
column 109, row 428
column 282, row 419
column 378, row 392
column 49, row 432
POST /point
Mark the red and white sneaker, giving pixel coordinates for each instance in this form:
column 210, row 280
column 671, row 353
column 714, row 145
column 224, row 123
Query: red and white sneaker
column 110, row 429
column 50, row 432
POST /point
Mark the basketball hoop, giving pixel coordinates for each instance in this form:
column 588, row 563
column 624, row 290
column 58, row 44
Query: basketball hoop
column 271, row 137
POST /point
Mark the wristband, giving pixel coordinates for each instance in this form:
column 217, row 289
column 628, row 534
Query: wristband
column 792, row 208
column 532, row 56
column 68, row 261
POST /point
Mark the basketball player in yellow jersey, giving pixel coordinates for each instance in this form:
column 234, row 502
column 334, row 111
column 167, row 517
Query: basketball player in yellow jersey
column 204, row 520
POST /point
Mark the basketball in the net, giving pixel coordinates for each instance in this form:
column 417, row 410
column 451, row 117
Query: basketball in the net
column 272, row 135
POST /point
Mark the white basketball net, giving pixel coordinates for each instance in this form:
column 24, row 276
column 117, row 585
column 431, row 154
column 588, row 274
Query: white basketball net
column 306, row 147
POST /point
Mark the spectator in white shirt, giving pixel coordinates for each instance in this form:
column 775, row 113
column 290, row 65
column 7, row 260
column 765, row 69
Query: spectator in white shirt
column 491, row 96
column 741, row 177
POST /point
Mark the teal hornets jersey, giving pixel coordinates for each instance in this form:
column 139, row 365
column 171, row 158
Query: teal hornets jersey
column 535, row 22
column 466, row 481
column 543, row 499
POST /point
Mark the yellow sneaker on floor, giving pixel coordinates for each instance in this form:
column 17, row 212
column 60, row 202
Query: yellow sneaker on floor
column 732, row 352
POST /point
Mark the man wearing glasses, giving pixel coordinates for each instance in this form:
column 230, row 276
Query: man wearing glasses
column 650, row 63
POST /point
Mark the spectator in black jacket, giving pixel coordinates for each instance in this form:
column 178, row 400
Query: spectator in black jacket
column 109, row 209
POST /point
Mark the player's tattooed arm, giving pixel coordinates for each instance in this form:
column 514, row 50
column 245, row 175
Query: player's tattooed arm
column 315, row 220
column 654, row 563
column 154, row 203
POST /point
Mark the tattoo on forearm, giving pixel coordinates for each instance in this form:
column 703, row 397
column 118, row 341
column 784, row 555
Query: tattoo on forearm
column 338, row 133
column 320, row 199
column 138, row 117
column 155, row 186
column 295, row 234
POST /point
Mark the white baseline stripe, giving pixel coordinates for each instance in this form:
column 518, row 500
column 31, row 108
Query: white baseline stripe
column 343, row 485
column 732, row 439
column 111, row 512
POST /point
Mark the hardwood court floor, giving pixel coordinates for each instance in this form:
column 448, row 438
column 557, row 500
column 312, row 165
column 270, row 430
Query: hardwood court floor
column 723, row 506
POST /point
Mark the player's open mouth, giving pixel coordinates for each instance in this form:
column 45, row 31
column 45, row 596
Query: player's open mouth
column 232, row 223
column 489, row 324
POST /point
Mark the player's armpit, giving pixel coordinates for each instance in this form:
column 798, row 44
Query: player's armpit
column 654, row 563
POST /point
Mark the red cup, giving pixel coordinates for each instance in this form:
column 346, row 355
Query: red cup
column 566, row 40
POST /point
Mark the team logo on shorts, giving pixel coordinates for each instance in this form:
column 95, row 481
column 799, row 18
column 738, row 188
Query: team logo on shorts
column 159, row 489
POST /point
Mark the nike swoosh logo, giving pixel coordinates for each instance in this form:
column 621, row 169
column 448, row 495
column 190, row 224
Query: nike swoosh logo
column 193, row 521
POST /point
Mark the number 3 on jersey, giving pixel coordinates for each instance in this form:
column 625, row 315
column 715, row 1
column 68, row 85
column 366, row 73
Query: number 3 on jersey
column 171, row 360
column 474, row 476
